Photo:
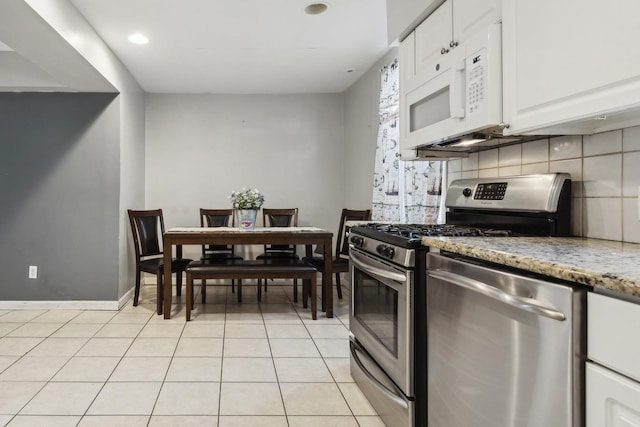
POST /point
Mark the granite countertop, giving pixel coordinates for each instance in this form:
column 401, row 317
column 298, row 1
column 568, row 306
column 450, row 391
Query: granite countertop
column 603, row 264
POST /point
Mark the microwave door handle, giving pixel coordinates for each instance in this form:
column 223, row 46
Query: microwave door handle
column 456, row 103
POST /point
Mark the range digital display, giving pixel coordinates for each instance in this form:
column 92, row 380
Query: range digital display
column 490, row 191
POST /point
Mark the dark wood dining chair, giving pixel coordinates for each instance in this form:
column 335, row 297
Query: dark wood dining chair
column 217, row 253
column 280, row 253
column 147, row 228
column 340, row 259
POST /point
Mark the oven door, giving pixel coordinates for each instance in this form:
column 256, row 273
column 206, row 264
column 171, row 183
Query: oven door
column 380, row 315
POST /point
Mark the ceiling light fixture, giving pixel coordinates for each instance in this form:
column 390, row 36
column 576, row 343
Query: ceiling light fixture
column 316, row 8
column 138, row 38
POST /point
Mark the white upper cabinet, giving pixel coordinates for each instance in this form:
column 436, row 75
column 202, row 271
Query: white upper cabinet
column 571, row 66
column 433, row 41
column 404, row 15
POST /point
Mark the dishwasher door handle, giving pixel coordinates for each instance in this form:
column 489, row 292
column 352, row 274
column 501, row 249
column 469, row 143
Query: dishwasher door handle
column 497, row 294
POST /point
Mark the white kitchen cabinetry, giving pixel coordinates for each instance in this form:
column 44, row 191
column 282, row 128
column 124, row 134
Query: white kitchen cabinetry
column 613, row 373
column 404, row 15
column 431, row 49
column 569, row 63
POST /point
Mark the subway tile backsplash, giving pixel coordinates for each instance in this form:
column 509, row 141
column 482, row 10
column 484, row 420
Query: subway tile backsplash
column 605, row 173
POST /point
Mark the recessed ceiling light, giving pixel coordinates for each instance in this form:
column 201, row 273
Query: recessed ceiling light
column 138, row 38
column 316, row 8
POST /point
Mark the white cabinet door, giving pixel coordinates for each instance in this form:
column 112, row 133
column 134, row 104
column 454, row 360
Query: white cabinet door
column 432, row 39
column 471, row 16
column 612, row 400
column 569, row 62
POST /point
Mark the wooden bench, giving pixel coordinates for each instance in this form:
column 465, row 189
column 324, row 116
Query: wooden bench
column 254, row 269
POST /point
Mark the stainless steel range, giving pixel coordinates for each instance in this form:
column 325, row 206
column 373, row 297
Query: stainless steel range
column 388, row 267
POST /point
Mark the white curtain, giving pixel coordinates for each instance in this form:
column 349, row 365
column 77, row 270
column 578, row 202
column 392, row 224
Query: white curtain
column 403, row 191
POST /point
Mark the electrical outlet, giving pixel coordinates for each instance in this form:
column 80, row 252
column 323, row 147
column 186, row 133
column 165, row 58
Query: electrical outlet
column 33, row 272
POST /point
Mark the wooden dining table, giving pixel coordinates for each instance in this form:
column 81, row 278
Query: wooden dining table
column 308, row 236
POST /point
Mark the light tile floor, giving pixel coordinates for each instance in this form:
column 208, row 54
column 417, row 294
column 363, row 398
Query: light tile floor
column 235, row 364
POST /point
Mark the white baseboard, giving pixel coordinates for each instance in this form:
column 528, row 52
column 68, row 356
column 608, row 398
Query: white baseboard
column 67, row 305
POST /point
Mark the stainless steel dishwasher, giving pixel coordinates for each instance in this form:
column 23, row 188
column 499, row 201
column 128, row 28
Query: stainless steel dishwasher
column 503, row 349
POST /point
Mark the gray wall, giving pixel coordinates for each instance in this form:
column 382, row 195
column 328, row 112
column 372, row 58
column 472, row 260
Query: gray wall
column 60, row 196
column 361, row 132
column 201, row 147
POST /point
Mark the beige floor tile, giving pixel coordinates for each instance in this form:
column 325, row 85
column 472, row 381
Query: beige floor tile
column 6, row 361
column 356, row 400
column 34, row 368
column 188, row 399
column 199, row 347
column 287, row 331
column 44, row 421
column 250, row 369
column 152, row 347
column 207, row 369
column 322, row 421
column 183, row 421
column 105, row 347
column 328, row 331
column 17, row 346
column 119, row 330
column 293, row 348
column 340, row 368
column 114, row 421
column 249, row 421
column 14, row 395
column 203, row 330
column 21, row 316
column 370, row 421
column 233, row 330
column 313, row 399
column 250, row 399
column 34, row 329
column 94, row 317
column 246, row 347
column 58, row 346
column 4, row 419
column 302, row 370
column 57, row 316
column 125, row 399
column 236, row 317
column 139, row 369
column 282, row 318
column 278, row 308
column 62, row 399
column 162, row 330
column 131, row 317
column 74, row 330
column 6, row 328
column 204, row 317
column 87, row 369
column 333, row 347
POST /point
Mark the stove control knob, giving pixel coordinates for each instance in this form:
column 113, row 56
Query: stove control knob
column 466, row 192
column 386, row 251
column 357, row 241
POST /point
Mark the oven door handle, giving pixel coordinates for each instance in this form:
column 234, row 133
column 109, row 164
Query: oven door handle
column 497, row 294
column 376, row 271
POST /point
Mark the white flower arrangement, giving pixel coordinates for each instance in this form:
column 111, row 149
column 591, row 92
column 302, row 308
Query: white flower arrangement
column 246, row 199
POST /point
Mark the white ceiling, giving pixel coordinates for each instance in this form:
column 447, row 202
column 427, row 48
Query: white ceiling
column 242, row 46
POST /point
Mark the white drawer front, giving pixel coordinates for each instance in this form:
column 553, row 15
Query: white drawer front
column 612, row 400
column 613, row 334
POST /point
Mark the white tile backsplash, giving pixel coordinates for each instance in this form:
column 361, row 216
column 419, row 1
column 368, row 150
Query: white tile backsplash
column 630, row 222
column 605, row 180
column 602, row 143
column 535, row 151
column 565, row 147
column 602, row 176
column 604, row 218
column 488, row 159
column 510, row 155
column 631, row 139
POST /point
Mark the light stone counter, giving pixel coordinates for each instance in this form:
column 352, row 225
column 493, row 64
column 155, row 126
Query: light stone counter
column 603, row 264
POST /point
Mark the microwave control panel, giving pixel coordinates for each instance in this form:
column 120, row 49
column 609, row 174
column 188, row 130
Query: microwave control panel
column 490, row 191
column 476, row 81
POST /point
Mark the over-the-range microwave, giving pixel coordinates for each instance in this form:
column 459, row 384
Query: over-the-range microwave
column 460, row 105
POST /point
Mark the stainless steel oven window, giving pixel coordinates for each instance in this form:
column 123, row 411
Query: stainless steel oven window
column 375, row 305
